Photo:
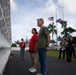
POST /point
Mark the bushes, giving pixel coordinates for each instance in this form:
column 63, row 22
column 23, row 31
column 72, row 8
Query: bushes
column 13, row 45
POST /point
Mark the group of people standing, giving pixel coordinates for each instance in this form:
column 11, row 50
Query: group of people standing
column 67, row 47
column 39, row 42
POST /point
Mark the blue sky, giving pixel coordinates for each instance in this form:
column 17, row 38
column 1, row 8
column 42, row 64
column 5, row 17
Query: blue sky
column 24, row 14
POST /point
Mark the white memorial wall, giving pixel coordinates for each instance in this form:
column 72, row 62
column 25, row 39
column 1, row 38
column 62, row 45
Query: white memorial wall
column 5, row 33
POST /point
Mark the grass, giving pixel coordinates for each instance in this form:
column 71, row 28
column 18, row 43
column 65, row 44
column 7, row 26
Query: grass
column 55, row 54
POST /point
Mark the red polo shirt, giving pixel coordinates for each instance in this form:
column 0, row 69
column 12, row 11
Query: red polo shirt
column 22, row 44
column 33, row 39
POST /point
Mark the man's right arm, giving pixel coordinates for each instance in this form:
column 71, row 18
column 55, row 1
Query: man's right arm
column 48, row 40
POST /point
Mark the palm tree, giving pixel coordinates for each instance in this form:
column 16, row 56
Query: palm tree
column 66, row 32
column 52, row 29
column 64, row 24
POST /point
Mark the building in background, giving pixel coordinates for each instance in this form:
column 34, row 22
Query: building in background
column 5, row 33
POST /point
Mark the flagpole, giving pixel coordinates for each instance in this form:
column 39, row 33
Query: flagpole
column 56, row 22
column 63, row 12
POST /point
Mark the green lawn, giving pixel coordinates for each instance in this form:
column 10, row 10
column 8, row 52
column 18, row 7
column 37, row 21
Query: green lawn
column 55, row 54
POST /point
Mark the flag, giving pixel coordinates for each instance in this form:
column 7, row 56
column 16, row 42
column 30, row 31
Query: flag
column 58, row 20
column 51, row 18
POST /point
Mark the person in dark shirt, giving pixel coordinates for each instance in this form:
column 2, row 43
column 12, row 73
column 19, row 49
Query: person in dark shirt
column 73, row 45
column 69, row 49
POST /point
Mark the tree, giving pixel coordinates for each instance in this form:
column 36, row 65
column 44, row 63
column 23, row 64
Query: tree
column 64, row 24
column 66, row 30
column 13, row 45
column 52, row 29
column 17, row 42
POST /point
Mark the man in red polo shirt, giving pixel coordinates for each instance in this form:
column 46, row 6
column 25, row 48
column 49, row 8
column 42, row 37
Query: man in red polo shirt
column 22, row 48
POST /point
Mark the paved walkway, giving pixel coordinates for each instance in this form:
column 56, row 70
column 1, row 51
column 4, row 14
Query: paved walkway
column 16, row 66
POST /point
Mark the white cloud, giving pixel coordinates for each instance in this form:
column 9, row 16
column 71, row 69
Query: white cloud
column 13, row 5
column 20, row 31
column 22, row 28
column 47, row 9
column 25, row 20
column 69, row 6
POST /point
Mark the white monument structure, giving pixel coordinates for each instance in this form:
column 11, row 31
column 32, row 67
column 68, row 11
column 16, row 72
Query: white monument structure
column 5, row 33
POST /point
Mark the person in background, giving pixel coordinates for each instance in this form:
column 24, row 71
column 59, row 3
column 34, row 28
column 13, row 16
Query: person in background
column 43, row 44
column 63, row 44
column 33, row 49
column 69, row 49
column 73, row 45
column 22, row 48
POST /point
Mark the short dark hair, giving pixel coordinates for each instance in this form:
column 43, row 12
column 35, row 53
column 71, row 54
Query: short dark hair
column 40, row 19
column 22, row 39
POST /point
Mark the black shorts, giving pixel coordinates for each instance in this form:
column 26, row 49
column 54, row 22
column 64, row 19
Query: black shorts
column 32, row 51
